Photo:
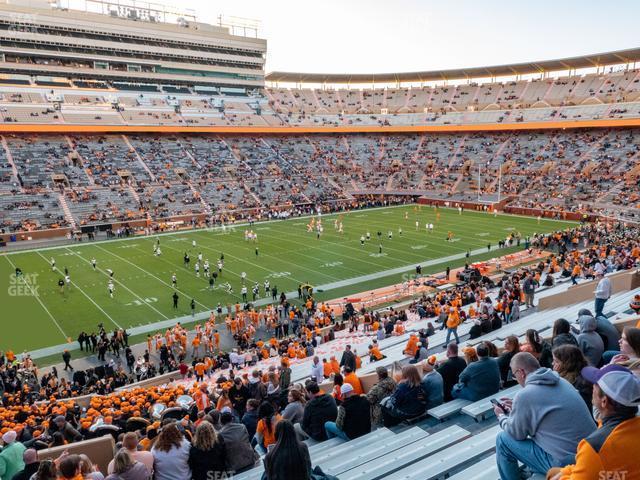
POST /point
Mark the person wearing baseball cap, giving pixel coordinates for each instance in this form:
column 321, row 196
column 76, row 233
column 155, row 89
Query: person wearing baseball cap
column 61, row 425
column 612, row 448
column 354, row 418
column 432, row 383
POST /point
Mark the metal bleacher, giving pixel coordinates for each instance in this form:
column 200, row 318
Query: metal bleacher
column 447, row 461
column 455, row 440
column 388, row 463
column 486, row 469
column 321, row 455
column 347, row 459
column 482, row 408
column 446, row 410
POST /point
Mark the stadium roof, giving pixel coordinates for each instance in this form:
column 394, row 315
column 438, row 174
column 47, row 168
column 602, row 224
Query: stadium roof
column 585, row 61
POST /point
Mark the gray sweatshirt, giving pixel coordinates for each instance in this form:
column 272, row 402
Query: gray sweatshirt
column 589, row 341
column 551, row 412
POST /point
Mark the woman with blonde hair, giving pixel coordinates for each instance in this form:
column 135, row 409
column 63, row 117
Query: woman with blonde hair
column 126, row 468
column 407, row 401
column 207, row 456
column 171, row 454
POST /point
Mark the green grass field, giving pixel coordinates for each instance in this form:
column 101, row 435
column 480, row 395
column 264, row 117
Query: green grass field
column 36, row 315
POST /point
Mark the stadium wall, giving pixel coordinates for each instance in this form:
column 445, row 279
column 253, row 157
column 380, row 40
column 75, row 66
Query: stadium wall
column 502, row 206
column 100, row 450
column 489, row 127
column 620, row 282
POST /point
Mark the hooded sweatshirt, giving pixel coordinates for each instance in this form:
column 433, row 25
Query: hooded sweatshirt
column 589, row 341
column 549, row 411
column 608, row 333
column 317, row 411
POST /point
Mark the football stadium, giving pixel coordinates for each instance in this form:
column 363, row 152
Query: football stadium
column 215, row 269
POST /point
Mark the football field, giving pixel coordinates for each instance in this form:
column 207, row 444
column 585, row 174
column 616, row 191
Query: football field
column 36, row 314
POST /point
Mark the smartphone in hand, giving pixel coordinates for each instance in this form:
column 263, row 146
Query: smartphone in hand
column 496, row 403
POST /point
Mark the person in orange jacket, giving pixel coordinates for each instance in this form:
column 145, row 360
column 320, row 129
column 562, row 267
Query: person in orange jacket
column 335, row 365
column 610, row 452
column 327, row 370
column 202, row 398
column 453, row 321
column 374, row 353
column 412, row 346
column 351, row 378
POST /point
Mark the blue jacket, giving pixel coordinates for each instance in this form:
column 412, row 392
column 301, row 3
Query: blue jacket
column 433, row 387
column 481, row 378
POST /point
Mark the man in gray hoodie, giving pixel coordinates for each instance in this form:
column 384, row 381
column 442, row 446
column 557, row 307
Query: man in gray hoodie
column 609, row 334
column 589, row 341
column 543, row 424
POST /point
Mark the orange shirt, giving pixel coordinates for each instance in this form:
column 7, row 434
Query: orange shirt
column 412, row 346
column 335, row 366
column 375, row 353
column 269, row 437
column 454, row 319
column 354, row 381
column 337, row 393
column 223, row 402
column 202, row 401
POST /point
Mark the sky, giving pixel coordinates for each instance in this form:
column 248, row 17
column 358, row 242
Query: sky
column 363, row 36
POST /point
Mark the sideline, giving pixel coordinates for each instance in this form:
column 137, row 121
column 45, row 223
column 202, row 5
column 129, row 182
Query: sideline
column 153, row 327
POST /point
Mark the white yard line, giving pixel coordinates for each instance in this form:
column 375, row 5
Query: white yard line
column 88, row 297
column 153, row 327
column 125, row 287
column 213, row 266
column 262, row 222
column 152, row 275
column 37, row 297
column 278, row 259
column 190, row 230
